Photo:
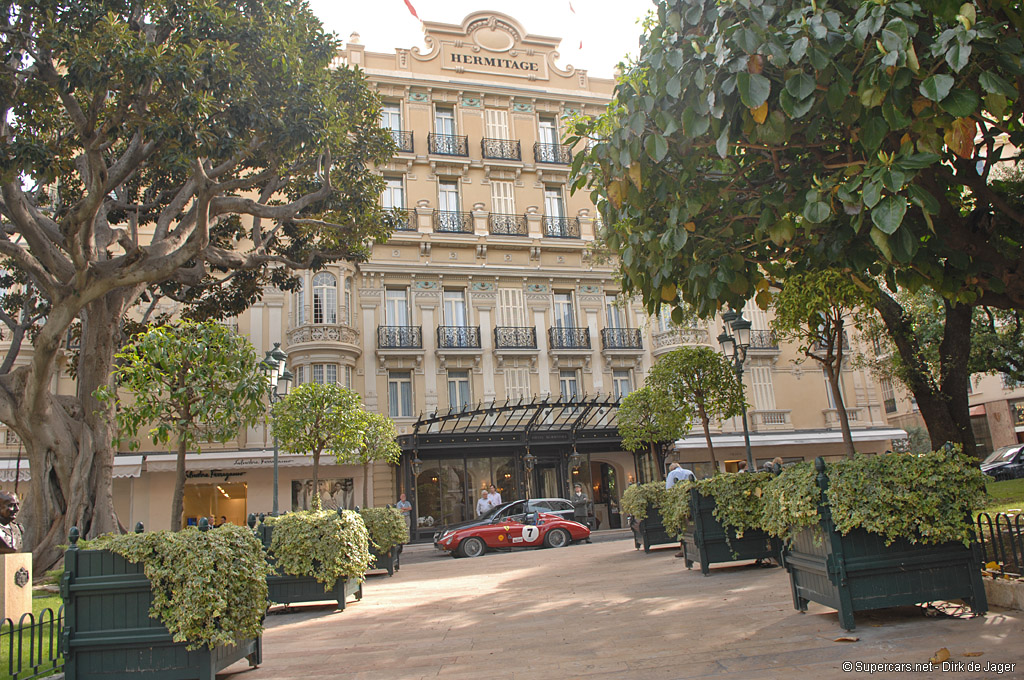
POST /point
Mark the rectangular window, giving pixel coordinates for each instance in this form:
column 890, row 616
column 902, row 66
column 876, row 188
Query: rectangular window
column 396, row 307
column 496, row 124
column 444, row 121
column 455, row 308
column 888, row 395
column 554, row 206
column 565, row 316
column 448, row 196
column 828, row 388
column 391, row 116
column 331, row 374
column 502, row 197
column 348, row 300
column 517, row 384
column 300, row 375
column 568, row 383
column 300, row 305
column 511, row 309
column 548, row 130
column 757, row 317
column 348, row 377
column 622, row 384
column 400, row 394
column 458, row 390
column 318, row 373
column 394, row 193
column 615, row 312
column 761, row 384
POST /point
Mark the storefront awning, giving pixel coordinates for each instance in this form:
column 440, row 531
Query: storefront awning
column 124, row 466
column 226, row 460
column 791, row 438
column 978, row 410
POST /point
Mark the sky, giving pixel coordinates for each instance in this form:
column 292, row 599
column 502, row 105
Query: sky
column 607, row 29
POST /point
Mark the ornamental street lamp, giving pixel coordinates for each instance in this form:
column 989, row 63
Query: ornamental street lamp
column 735, row 341
column 273, row 366
column 575, row 461
column 529, row 461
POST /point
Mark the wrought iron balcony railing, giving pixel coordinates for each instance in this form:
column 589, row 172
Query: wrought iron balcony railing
column 399, row 337
column 552, row 153
column 501, row 149
column 515, row 337
column 569, row 338
column 760, row 339
column 561, row 227
column 890, row 405
column 458, row 337
column 403, row 140
column 407, row 219
column 453, row 222
column 621, row 338
column 448, row 145
column 507, row 225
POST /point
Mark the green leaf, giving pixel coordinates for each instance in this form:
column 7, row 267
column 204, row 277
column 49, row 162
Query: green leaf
column 936, row 87
column 888, row 214
column 722, row 145
column 754, row 89
column 817, row 211
column 957, row 56
column 996, row 85
column 656, row 147
column 871, row 193
column 801, row 86
column 960, row 103
column 873, row 132
column 837, row 95
column 799, row 49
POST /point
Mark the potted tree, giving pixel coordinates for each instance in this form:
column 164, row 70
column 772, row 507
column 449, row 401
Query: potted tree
column 643, row 503
column 879, row 531
column 161, row 605
column 388, row 530
column 316, row 555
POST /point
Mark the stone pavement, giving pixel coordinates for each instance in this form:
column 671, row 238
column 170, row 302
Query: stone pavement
column 607, row 611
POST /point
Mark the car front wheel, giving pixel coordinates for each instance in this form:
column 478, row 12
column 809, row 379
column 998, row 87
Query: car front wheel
column 471, row 547
column 557, row 538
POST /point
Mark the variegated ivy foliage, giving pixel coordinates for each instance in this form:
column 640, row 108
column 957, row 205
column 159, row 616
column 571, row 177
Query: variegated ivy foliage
column 387, row 528
column 739, row 499
column 209, row 587
column 926, row 498
column 675, row 508
column 323, row 544
column 636, row 498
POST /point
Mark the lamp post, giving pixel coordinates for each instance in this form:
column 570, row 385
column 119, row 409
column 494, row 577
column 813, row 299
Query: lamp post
column 273, row 366
column 735, row 341
column 529, row 461
column 575, row 461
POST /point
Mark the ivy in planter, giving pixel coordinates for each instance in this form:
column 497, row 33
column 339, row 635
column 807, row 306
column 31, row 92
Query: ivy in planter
column 738, row 499
column 323, row 544
column 637, row 497
column 386, row 526
column 209, row 588
column 790, row 501
column 675, row 508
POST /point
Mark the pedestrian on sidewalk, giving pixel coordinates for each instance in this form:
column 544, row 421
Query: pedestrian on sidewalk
column 581, row 507
column 677, row 473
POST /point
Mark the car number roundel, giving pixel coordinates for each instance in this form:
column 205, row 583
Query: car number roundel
column 530, row 534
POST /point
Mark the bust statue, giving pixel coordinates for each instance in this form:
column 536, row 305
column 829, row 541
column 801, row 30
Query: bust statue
column 10, row 529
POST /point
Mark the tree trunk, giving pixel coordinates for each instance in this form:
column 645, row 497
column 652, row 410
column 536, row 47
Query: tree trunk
column 844, row 419
column 316, row 483
column 366, row 484
column 944, row 406
column 706, row 422
column 178, row 500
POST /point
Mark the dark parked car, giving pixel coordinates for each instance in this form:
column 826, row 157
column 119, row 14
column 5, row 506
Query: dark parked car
column 1005, row 463
column 555, row 506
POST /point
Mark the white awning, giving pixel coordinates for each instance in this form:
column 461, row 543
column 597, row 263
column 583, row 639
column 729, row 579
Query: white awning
column 790, row 438
column 124, row 466
column 228, row 460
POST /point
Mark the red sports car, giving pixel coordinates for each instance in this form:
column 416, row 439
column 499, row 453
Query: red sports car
column 521, row 531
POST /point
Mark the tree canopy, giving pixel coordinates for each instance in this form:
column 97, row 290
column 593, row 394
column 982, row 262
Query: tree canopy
column 380, row 443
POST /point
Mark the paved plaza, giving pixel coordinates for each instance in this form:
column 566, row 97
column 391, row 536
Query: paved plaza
column 607, row 611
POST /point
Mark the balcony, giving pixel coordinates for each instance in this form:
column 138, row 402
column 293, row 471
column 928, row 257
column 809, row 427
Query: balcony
column 403, row 140
column 763, row 339
column 458, row 337
column 314, row 339
column 561, row 227
column 501, row 149
column 853, row 415
column 569, row 338
column 515, row 337
column 890, row 405
column 559, row 154
column 399, row 337
column 448, row 145
column 621, row 338
column 408, row 219
column 767, row 420
column 453, row 222
column 663, row 341
column 507, row 225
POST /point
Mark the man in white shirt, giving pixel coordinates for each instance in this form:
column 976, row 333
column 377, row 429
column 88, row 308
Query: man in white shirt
column 677, row 473
column 493, row 497
column 482, row 505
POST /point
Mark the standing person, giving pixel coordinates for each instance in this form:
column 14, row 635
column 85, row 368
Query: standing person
column 483, row 504
column 493, row 497
column 405, row 507
column 677, row 473
column 581, row 507
column 742, row 467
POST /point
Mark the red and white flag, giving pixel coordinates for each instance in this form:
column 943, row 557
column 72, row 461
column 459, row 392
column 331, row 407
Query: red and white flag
column 412, row 11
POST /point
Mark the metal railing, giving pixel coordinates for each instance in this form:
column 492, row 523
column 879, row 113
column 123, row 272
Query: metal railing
column 31, row 648
column 561, row 227
column 1002, row 541
column 621, row 338
column 569, row 338
column 890, row 405
column 448, row 145
column 552, row 153
column 762, row 339
column 403, row 140
column 515, row 337
column 501, row 149
column 399, row 337
column 507, row 225
column 408, row 219
column 453, row 222
column 458, row 337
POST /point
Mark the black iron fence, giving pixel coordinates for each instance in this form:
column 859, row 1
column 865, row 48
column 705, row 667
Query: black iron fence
column 1002, row 541
column 569, row 338
column 552, row 153
column 448, row 145
column 457, row 337
column 453, row 222
column 31, row 647
column 561, row 227
column 501, row 149
column 621, row 338
column 763, row 339
column 407, row 217
column 515, row 337
column 507, row 225
column 403, row 140
column 399, row 337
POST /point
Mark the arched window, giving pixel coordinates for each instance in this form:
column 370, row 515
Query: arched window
column 300, row 305
column 325, row 298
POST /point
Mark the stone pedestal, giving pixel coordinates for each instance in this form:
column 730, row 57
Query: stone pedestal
column 15, row 585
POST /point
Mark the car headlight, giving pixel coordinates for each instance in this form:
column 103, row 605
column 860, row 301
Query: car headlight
column 446, row 536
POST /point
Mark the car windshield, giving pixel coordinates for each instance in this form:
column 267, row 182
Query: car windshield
column 1001, row 455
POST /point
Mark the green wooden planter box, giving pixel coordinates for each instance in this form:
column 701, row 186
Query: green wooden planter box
column 650, row 531
column 858, row 572
column 706, row 541
column 108, row 633
column 287, row 589
column 389, row 560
